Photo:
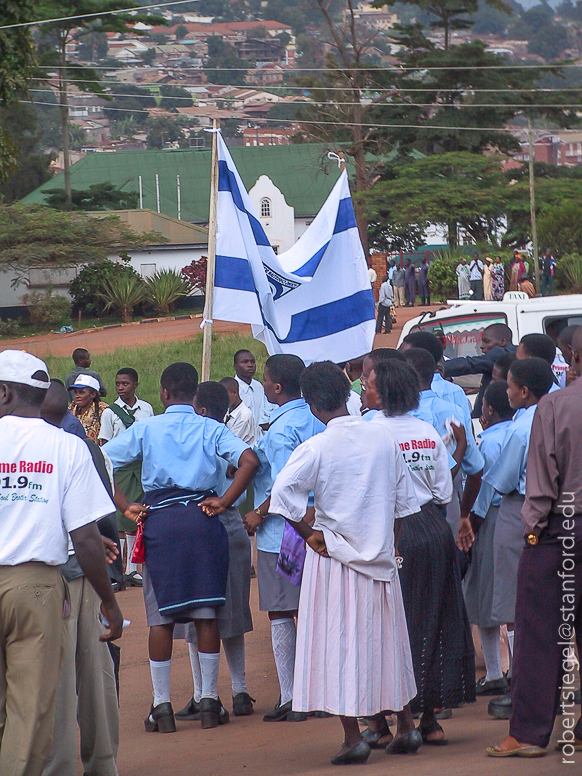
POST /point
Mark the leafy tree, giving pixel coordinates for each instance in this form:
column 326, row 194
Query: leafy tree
column 86, row 288
column 560, row 228
column 443, row 274
column 221, row 57
column 148, row 57
column 77, row 23
column 174, row 97
column 99, row 196
column 17, row 60
column 162, row 130
column 123, row 293
column 181, row 32
column 32, row 164
column 37, row 237
column 165, row 288
column 93, row 46
column 128, row 102
column 77, row 136
column 195, row 272
column 47, row 309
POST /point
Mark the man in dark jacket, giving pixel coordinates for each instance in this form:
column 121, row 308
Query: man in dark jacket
column 495, row 340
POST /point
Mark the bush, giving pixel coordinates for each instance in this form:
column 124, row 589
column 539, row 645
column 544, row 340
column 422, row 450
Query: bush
column 196, row 273
column 87, row 287
column 443, row 274
column 165, row 288
column 123, row 293
column 9, row 327
column 560, row 228
column 47, row 310
column 569, row 273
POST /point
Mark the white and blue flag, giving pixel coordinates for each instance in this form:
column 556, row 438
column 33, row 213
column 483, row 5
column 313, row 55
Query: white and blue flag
column 314, row 300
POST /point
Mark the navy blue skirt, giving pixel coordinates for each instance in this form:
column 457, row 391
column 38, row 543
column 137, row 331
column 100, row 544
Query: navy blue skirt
column 186, row 552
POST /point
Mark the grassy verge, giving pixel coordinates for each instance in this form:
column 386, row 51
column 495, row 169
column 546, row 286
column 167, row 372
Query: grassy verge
column 151, row 360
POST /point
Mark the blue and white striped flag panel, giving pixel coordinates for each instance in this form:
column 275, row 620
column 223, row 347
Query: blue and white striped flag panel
column 315, row 299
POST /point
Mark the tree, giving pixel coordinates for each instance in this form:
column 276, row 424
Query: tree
column 221, row 57
column 174, row 97
column 181, row 32
column 163, row 129
column 148, row 57
column 17, row 60
column 560, row 228
column 128, row 102
column 85, row 289
column 99, row 196
column 32, row 164
column 78, row 22
column 93, row 46
column 37, row 237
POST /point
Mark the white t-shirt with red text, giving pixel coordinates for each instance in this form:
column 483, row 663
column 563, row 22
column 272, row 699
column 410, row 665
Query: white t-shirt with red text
column 49, row 486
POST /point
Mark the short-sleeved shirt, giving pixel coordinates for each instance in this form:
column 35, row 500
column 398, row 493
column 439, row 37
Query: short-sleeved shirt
column 476, row 270
column 508, row 472
column 472, row 460
column 425, row 454
column 559, row 368
column 112, row 425
column 360, row 485
column 178, row 449
column 491, row 445
column 241, row 422
column 254, row 397
column 48, row 487
column 291, row 424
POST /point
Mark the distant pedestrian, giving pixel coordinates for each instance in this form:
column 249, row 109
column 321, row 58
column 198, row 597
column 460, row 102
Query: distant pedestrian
column 527, row 286
column 410, row 282
column 423, row 282
column 82, row 360
column 398, row 282
column 372, row 274
column 498, row 279
column 463, row 283
column 548, row 271
column 385, row 299
column 488, row 280
column 517, row 269
column 476, row 269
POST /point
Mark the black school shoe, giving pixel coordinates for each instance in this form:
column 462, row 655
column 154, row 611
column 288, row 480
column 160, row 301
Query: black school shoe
column 500, row 708
column 160, row 719
column 242, row 705
column 492, row 687
column 285, row 713
column 190, row 712
column 212, row 713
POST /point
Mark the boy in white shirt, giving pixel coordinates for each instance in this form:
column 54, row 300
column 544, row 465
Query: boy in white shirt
column 251, row 391
column 239, row 418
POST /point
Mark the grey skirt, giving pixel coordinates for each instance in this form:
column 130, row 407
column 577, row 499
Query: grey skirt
column 234, row 618
column 508, row 544
column 153, row 615
column 276, row 593
column 478, row 583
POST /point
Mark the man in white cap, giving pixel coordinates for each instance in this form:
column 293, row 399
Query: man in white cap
column 49, row 489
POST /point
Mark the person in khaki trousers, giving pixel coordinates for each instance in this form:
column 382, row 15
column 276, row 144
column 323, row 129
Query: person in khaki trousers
column 49, row 488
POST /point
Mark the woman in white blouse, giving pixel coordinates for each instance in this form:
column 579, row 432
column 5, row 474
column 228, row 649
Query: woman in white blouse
column 353, row 654
column 440, row 635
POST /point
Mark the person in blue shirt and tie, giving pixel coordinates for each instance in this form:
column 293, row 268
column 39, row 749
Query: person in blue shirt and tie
column 527, row 381
column 291, row 423
column 478, row 584
column 186, row 546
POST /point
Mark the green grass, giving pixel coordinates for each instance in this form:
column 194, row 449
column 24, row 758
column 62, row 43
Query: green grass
column 151, row 360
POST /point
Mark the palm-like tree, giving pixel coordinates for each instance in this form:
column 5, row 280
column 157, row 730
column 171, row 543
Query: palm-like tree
column 165, row 288
column 123, row 294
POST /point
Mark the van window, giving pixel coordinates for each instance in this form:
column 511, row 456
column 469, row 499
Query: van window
column 553, row 326
column 462, row 333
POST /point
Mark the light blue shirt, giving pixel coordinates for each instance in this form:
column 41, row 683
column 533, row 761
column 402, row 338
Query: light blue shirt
column 553, row 388
column 492, row 440
column 291, row 424
column 178, row 449
column 508, row 472
column 369, row 414
column 472, row 460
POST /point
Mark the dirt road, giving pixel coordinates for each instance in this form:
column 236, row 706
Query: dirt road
column 110, row 339
column 252, row 747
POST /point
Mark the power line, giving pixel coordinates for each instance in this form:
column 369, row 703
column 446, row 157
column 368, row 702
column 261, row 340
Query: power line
column 91, row 15
column 335, row 123
column 372, row 70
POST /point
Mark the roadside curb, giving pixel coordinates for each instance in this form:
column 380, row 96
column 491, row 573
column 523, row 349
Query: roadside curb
column 131, row 323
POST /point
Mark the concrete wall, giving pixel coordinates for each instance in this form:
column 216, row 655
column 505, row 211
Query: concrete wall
column 279, row 226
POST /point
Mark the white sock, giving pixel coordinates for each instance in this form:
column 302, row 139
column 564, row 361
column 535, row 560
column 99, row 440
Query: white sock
column 283, row 636
column 209, row 663
column 234, row 649
column 491, row 652
column 510, row 643
column 160, row 670
column 121, row 546
column 130, row 567
column 196, row 672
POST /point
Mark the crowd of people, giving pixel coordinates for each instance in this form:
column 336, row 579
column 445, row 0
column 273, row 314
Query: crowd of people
column 384, row 530
column 485, row 280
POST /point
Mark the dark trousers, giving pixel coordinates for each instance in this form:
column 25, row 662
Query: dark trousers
column 424, row 292
column 477, row 287
column 547, row 284
column 548, row 610
column 410, row 291
column 383, row 319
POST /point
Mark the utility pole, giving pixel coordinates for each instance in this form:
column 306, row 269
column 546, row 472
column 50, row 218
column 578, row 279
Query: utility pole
column 211, row 261
column 532, row 204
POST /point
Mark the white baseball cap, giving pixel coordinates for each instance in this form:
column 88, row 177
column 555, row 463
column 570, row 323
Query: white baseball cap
column 18, row 366
column 86, row 381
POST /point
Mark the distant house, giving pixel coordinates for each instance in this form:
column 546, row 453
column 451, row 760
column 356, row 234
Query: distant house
column 296, row 179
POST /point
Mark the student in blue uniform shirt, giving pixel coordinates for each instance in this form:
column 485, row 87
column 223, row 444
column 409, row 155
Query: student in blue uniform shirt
column 186, row 554
column 478, row 584
column 438, row 413
column 291, row 423
column 527, row 381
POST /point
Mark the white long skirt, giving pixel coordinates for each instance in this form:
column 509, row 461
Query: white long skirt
column 353, row 654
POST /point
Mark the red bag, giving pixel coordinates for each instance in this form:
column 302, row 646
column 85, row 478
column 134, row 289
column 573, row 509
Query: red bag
column 138, row 554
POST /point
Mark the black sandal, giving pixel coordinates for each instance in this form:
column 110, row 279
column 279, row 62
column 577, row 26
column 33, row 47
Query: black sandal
column 425, row 732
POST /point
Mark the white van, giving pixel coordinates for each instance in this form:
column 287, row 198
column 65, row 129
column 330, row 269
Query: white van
column 462, row 323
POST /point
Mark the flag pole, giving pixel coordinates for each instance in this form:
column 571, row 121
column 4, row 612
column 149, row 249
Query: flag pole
column 211, row 261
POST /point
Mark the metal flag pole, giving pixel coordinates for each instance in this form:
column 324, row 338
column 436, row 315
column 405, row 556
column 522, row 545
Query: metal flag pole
column 211, row 261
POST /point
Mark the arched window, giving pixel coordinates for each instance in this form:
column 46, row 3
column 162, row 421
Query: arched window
column 265, row 207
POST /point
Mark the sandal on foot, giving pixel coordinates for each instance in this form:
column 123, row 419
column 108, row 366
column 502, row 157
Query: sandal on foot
column 425, row 732
column 407, row 743
column 373, row 737
column 523, row 750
